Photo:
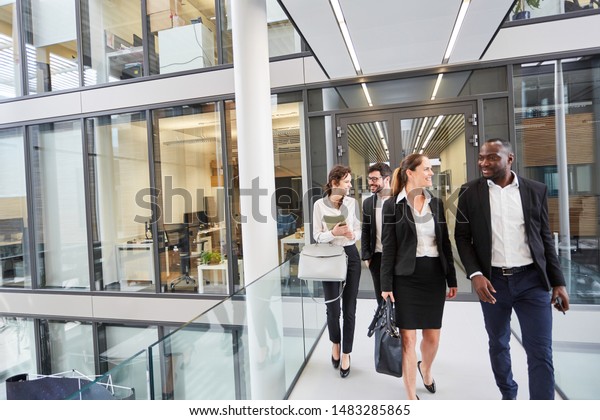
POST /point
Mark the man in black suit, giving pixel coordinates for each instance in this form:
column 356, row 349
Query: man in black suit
column 503, row 238
column 379, row 184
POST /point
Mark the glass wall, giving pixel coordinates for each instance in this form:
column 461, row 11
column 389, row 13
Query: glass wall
column 17, row 341
column 14, row 250
column 10, row 67
column 288, row 138
column 118, row 343
column 283, row 38
column 119, row 176
column 51, row 43
column 525, row 9
column 183, row 35
column 558, row 144
column 112, row 40
column 192, row 241
column 68, row 346
column 59, row 205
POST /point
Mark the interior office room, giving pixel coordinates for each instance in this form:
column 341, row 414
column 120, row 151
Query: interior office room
column 125, row 246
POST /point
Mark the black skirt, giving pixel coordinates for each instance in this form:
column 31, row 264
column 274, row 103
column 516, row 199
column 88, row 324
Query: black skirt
column 420, row 297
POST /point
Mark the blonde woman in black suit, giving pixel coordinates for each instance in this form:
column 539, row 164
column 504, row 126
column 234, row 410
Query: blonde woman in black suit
column 417, row 266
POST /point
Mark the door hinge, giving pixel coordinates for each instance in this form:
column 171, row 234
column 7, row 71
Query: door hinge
column 339, row 132
column 340, row 150
column 473, row 120
column 474, row 140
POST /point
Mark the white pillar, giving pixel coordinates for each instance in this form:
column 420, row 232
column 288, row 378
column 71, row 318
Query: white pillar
column 257, row 190
column 254, row 136
column 561, row 162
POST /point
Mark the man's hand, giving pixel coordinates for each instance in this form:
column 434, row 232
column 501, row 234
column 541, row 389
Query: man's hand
column 484, row 289
column 560, row 291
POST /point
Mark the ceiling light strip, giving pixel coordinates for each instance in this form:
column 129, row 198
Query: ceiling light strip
column 337, row 10
column 437, row 86
column 366, row 92
column 457, row 25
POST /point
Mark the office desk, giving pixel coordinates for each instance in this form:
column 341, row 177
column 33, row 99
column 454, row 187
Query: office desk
column 135, row 262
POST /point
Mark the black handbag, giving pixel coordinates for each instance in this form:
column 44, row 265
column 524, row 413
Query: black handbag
column 388, row 342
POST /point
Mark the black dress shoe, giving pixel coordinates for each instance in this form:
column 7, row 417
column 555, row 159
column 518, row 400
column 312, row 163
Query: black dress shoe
column 335, row 363
column 430, row 387
column 345, row 372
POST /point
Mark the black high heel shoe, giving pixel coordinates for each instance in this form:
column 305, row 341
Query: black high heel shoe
column 345, row 372
column 431, row 386
column 335, row 363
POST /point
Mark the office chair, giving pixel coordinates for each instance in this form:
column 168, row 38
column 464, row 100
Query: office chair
column 185, row 262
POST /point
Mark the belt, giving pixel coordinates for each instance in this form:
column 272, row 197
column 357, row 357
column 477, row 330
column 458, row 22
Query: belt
column 509, row 271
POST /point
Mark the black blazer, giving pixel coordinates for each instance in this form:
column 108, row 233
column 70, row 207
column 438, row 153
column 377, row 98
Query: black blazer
column 473, row 230
column 369, row 228
column 399, row 239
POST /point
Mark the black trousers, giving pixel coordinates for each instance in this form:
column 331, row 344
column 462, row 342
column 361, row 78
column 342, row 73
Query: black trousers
column 375, row 269
column 347, row 306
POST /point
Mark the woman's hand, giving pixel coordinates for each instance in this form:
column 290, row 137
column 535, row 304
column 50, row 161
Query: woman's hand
column 342, row 229
column 452, row 292
column 385, row 295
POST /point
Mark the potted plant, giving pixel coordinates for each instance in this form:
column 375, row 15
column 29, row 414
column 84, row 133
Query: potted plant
column 521, row 13
column 205, row 257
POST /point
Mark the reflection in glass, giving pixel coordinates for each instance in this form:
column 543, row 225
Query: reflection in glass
column 287, row 113
column 112, row 41
column 59, row 205
column 10, row 63
column 17, row 340
column 283, row 38
column 233, row 183
column 14, row 250
column 121, row 231
column 121, row 343
column 69, row 345
column 190, row 179
column 537, row 117
column 51, row 43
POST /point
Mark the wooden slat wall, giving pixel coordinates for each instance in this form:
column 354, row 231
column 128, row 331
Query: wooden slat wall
column 539, row 140
column 583, row 215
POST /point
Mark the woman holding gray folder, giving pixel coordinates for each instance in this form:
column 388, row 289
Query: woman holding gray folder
column 336, row 220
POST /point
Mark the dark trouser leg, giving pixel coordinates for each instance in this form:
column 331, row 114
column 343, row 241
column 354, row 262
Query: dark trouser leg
column 375, row 269
column 331, row 290
column 497, row 325
column 533, row 309
column 349, row 297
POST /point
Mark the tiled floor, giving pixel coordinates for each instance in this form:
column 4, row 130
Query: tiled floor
column 462, row 370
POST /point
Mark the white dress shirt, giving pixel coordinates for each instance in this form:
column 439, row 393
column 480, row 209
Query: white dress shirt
column 379, row 222
column 349, row 209
column 510, row 247
column 424, row 225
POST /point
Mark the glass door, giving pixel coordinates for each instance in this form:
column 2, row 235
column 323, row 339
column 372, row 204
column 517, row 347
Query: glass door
column 447, row 134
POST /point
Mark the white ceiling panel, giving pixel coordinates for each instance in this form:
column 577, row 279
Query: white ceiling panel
column 482, row 20
column 395, row 35
column 389, row 34
column 317, row 23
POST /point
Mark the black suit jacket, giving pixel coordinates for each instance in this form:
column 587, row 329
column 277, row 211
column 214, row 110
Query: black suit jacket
column 399, row 239
column 369, row 233
column 473, row 230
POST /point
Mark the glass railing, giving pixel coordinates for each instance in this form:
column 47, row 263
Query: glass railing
column 252, row 345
